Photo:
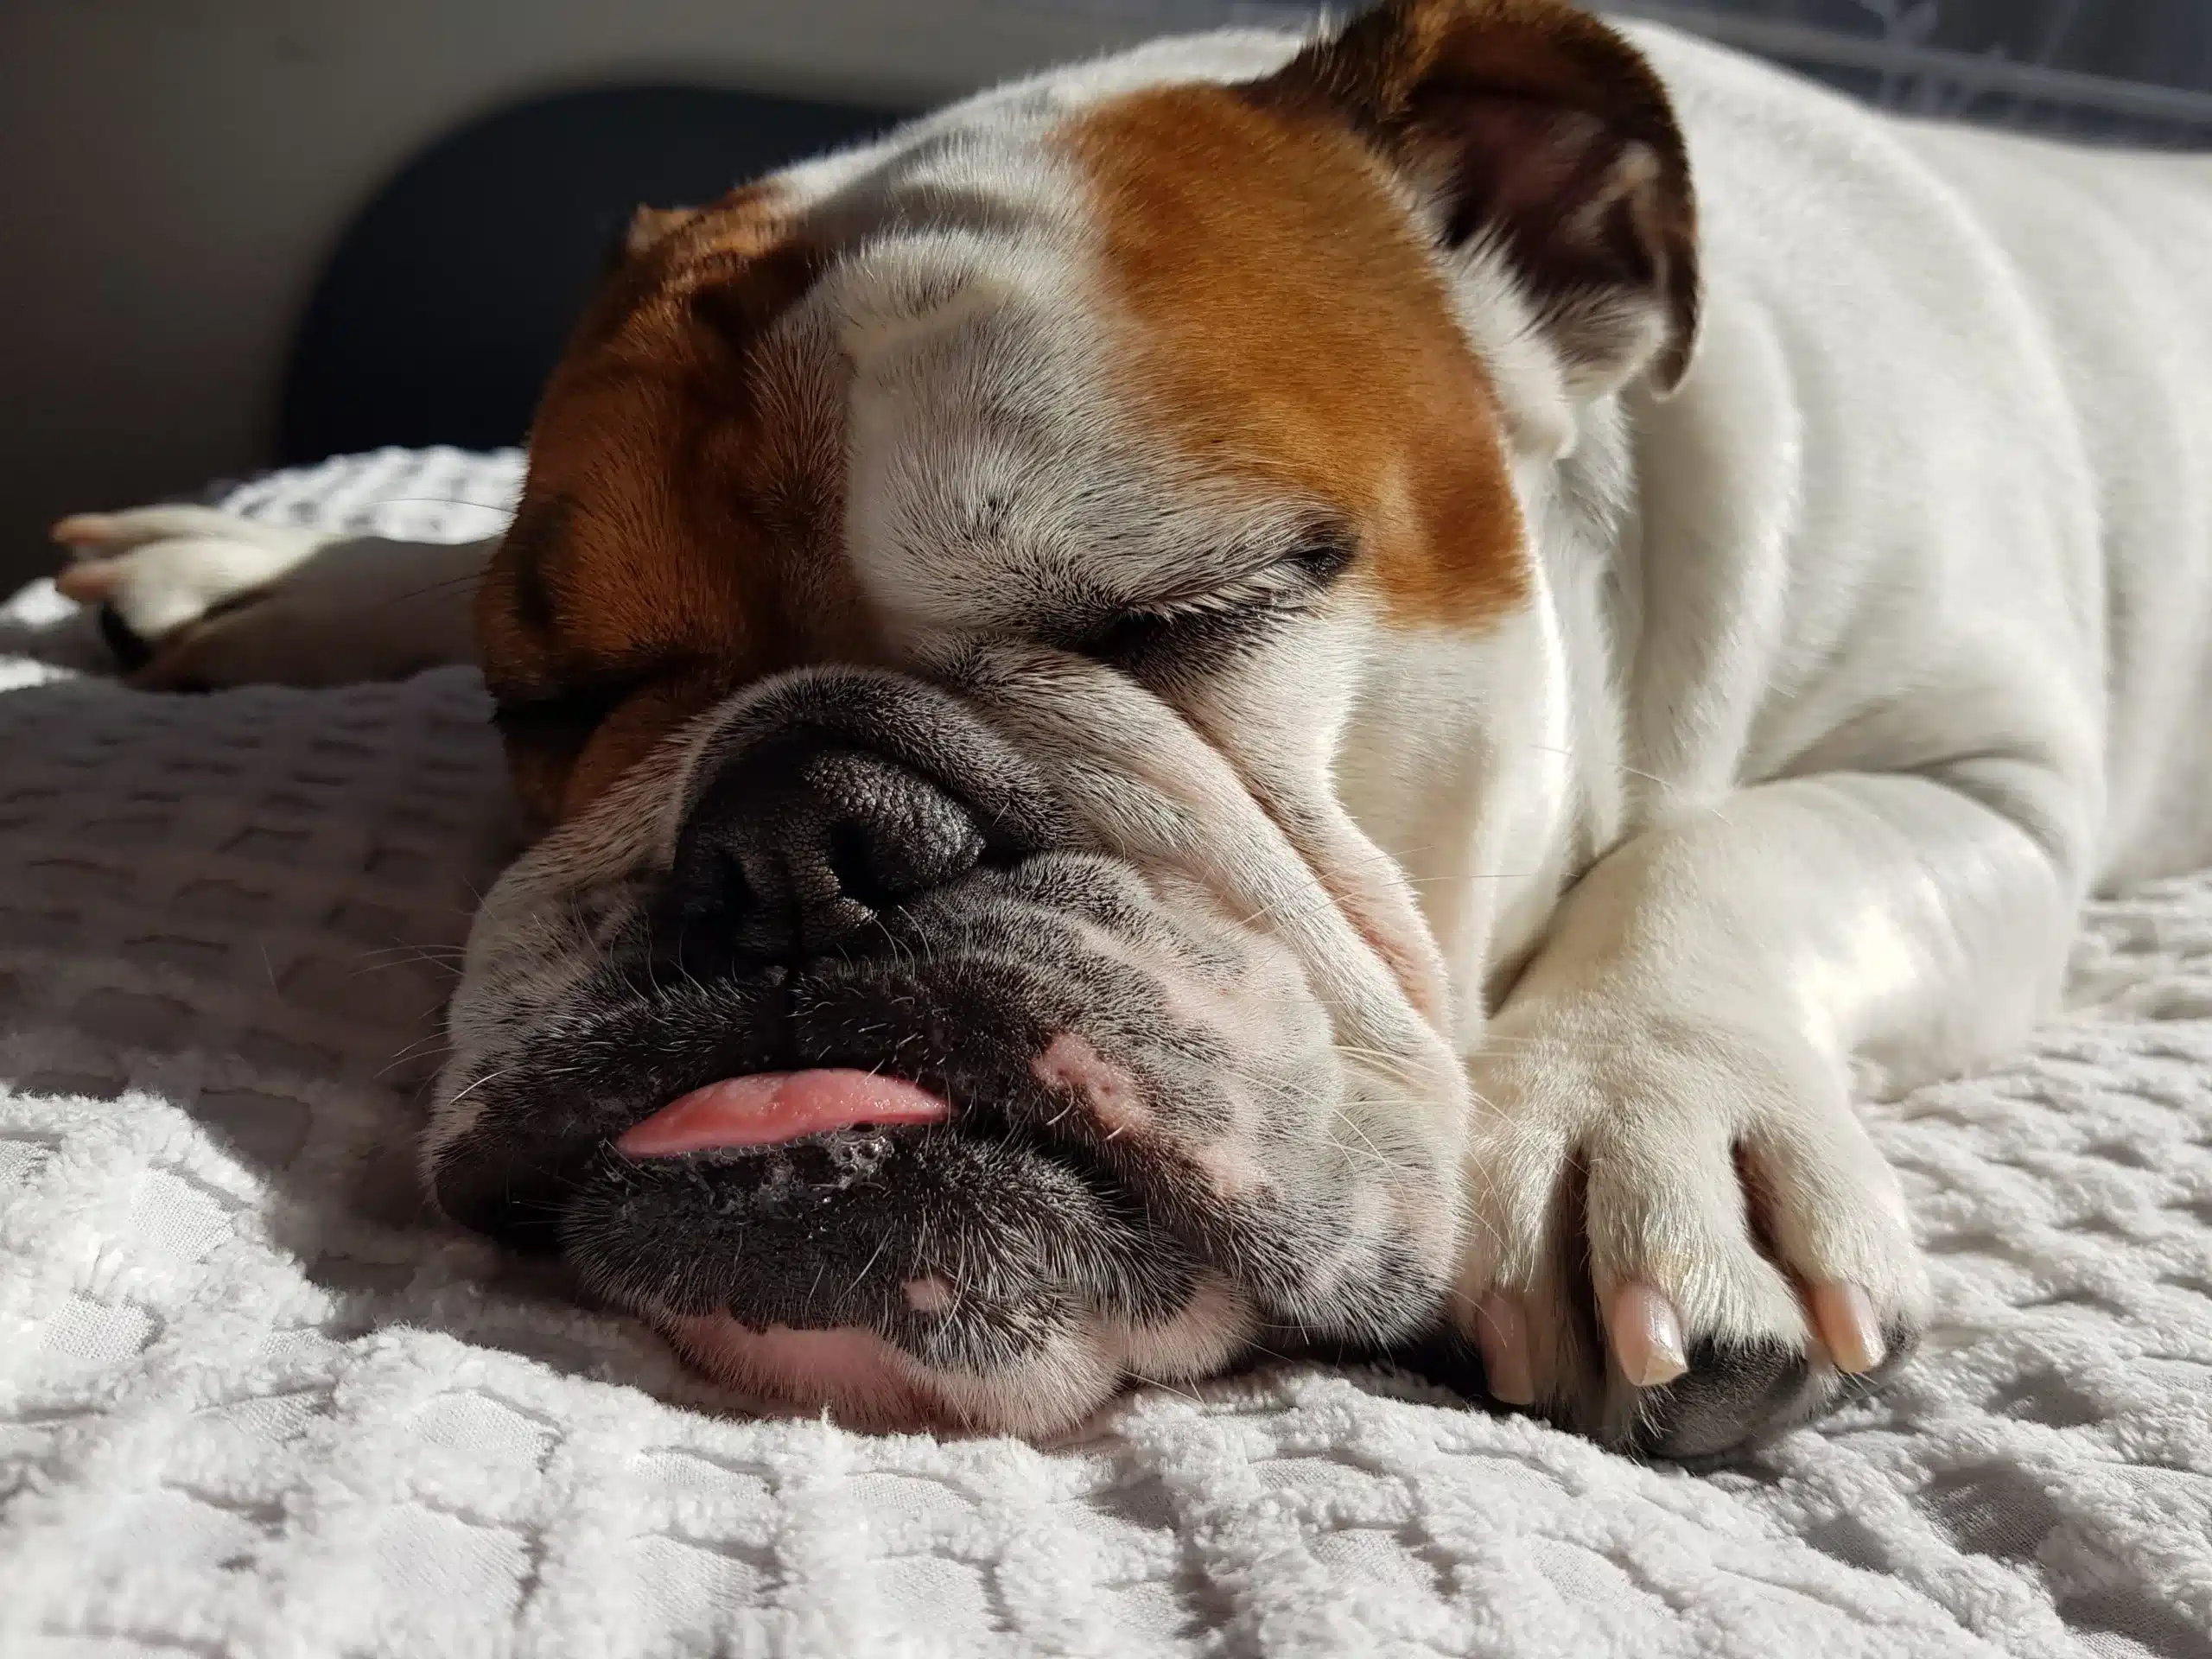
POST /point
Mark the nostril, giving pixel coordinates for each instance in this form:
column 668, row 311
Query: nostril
column 711, row 915
column 902, row 849
column 853, row 862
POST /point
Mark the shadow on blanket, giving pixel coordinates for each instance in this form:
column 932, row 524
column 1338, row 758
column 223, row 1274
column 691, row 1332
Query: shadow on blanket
column 249, row 905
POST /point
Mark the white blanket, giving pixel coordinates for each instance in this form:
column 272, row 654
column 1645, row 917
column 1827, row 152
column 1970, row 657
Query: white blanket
column 253, row 1401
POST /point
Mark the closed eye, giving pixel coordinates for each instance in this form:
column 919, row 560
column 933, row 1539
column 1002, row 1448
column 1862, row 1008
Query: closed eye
column 1200, row 627
column 559, row 719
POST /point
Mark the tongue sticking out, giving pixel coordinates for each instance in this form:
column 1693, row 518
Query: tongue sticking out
column 774, row 1107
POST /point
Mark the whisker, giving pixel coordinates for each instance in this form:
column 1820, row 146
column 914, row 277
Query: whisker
column 488, row 1078
column 506, row 507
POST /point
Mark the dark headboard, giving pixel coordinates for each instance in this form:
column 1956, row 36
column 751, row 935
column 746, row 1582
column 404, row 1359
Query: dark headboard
column 444, row 305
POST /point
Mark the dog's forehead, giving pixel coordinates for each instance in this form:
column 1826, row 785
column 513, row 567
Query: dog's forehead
column 1149, row 339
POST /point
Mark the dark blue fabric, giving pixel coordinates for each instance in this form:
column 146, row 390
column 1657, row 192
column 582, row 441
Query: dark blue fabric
column 447, row 301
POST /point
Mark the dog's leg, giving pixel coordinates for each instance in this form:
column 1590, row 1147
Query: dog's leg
column 195, row 598
column 1679, row 1233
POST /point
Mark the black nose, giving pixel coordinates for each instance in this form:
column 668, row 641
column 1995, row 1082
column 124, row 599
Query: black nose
column 788, row 854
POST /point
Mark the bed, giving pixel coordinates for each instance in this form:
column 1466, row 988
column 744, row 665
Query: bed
column 253, row 1401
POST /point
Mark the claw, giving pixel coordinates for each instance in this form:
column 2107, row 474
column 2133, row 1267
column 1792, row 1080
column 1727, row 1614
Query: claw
column 92, row 582
column 1503, row 1332
column 82, row 529
column 1646, row 1335
column 1844, row 1314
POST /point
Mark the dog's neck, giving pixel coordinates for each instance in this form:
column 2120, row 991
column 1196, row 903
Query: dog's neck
column 1509, row 783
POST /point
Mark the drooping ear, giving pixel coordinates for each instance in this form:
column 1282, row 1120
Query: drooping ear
column 648, row 226
column 1530, row 129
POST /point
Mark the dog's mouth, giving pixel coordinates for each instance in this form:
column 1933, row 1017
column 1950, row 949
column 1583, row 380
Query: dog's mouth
column 855, row 1370
column 978, row 1176
column 888, row 1263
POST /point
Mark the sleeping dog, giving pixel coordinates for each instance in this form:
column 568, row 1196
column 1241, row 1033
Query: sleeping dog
column 1287, row 694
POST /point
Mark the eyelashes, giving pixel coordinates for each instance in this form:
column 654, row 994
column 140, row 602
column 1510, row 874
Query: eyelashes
column 1202, row 630
column 1143, row 640
column 1320, row 561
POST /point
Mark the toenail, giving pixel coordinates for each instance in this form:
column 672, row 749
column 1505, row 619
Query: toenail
column 1647, row 1336
column 1844, row 1314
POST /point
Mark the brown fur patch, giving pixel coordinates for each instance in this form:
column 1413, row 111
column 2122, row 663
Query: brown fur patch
column 1286, row 329
column 675, row 536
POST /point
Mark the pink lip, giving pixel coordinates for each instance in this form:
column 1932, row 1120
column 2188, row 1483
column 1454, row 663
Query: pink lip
column 772, row 1108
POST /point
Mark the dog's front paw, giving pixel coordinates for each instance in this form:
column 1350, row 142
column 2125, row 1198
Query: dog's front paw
column 1680, row 1238
column 177, row 587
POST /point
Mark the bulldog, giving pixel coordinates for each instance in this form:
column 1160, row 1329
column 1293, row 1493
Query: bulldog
column 1291, row 695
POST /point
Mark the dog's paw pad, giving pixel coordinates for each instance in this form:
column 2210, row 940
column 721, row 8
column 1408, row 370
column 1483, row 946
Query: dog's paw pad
column 1729, row 1385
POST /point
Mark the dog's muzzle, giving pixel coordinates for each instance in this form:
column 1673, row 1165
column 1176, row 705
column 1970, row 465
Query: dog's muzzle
column 889, row 1093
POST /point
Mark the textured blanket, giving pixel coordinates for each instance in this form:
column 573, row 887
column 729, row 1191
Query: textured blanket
column 253, row 1401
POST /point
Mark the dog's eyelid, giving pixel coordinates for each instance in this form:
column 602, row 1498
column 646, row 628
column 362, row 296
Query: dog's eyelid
column 1323, row 556
column 1278, row 589
column 570, row 706
column 544, row 716
column 1310, row 565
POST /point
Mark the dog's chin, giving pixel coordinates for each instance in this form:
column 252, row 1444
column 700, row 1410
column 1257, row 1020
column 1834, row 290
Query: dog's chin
column 862, row 1381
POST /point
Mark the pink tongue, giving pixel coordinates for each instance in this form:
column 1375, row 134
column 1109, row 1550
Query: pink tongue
column 774, row 1107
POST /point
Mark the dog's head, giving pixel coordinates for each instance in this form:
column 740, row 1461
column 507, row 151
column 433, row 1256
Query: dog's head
column 1002, row 624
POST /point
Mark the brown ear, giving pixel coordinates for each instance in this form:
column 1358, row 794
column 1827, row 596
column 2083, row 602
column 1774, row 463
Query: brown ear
column 649, row 225
column 1529, row 126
